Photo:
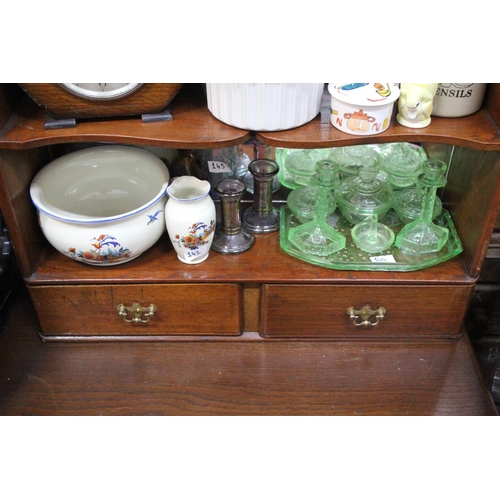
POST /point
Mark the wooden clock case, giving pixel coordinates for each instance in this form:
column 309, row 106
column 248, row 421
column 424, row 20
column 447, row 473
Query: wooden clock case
column 148, row 99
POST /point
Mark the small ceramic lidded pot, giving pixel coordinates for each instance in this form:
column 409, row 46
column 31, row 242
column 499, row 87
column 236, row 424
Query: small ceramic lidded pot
column 190, row 218
column 362, row 108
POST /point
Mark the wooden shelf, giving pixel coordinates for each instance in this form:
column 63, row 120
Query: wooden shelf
column 265, row 262
column 477, row 131
column 26, row 145
column 193, row 127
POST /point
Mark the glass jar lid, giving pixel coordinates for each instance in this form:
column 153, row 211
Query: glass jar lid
column 403, row 160
column 365, row 94
column 403, row 165
column 301, row 164
column 350, row 158
column 364, row 194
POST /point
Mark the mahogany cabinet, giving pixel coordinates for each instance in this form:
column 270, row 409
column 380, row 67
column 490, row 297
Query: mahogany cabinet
column 263, row 294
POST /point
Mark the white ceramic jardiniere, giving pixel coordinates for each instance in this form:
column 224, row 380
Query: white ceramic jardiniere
column 102, row 205
column 190, row 218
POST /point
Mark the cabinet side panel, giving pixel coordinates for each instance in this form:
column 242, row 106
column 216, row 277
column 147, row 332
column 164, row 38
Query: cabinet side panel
column 472, row 196
column 10, row 96
column 492, row 101
column 17, row 168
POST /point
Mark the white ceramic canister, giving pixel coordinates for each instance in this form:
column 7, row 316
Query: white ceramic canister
column 362, row 108
column 190, row 218
column 265, row 106
column 458, row 99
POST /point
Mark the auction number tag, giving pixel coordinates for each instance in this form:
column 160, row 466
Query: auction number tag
column 219, row 167
column 383, row 258
column 195, row 253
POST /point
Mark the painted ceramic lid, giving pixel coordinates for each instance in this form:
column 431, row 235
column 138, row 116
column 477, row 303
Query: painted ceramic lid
column 364, row 94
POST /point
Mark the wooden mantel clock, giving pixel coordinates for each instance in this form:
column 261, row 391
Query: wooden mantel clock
column 67, row 102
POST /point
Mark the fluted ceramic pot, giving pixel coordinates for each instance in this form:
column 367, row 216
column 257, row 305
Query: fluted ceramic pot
column 190, row 218
column 264, row 106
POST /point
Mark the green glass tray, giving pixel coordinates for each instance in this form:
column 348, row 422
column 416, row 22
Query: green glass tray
column 351, row 258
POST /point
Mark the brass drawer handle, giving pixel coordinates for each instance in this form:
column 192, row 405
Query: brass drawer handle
column 361, row 317
column 139, row 314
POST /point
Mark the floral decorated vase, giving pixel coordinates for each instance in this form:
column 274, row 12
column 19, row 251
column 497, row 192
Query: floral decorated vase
column 190, row 218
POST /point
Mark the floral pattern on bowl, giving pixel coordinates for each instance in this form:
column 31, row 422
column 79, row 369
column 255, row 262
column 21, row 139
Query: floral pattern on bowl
column 105, row 250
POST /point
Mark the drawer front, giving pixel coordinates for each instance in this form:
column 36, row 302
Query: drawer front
column 181, row 309
column 320, row 311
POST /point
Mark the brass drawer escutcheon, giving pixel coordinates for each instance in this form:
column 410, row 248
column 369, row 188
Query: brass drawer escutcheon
column 138, row 313
column 361, row 317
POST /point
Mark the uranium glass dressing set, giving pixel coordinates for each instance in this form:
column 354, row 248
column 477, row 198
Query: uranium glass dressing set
column 368, row 207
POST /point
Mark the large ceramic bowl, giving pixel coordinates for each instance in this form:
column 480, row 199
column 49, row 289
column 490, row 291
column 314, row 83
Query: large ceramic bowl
column 102, row 205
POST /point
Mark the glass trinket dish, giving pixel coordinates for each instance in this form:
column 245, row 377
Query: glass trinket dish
column 301, row 165
column 351, row 158
column 402, row 165
column 363, row 195
column 408, row 204
column 371, row 236
column 302, row 201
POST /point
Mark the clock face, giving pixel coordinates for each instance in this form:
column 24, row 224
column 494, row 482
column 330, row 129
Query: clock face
column 102, row 91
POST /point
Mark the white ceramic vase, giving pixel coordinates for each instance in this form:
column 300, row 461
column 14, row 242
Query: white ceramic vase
column 190, row 218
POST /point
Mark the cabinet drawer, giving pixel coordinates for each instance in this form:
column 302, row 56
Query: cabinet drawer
column 320, row 311
column 181, row 309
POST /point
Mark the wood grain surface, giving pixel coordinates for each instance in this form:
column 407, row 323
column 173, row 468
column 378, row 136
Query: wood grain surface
column 149, row 98
column 217, row 378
